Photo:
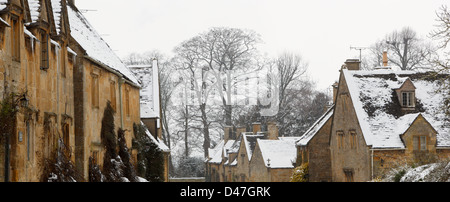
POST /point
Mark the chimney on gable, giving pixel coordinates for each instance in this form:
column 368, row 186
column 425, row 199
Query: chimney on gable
column 272, row 130
column 335, row 89
column 240, row 130
column 228, row 133
column 385, row 59
column 256, row 127
column 353, row 64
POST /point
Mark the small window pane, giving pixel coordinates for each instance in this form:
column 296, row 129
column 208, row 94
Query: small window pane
column 415, row 143
column 423, row 143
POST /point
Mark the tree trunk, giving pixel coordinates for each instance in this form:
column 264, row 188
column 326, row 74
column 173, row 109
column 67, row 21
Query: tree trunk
column 207, row 140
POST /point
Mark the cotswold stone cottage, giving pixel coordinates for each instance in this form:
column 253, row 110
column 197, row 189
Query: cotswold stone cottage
column 62, row 74
column 252, row 156
column 381, row 118
column 151, row 108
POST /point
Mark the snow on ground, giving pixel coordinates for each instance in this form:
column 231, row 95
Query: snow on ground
column 435, row 172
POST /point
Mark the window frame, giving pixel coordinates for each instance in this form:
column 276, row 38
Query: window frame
column 44, row 59
column 408, row 99
column 15, row 38
column 353, row 140
column 420, row 143
column 95, row 90
column 349, row 175
column 340, row 139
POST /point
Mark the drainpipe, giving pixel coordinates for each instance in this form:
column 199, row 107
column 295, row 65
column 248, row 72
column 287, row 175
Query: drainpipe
column 371, row 176
column 121, row 81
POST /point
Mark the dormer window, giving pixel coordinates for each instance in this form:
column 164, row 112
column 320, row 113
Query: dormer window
column 407, row 95
column 408, row 99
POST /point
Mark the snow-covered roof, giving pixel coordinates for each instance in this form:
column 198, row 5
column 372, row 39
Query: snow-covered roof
column 163, row 147
column 278, row 153
column 372, row 94
column 148, row 77
column 4, row 22
column 57, row 9
column 3, row 4
column 34, row 6
column 219, row 151
column 96, row 48
column 250, row 143
column 312, row 131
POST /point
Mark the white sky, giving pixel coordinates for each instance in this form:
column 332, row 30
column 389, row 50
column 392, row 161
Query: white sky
column 322, row 31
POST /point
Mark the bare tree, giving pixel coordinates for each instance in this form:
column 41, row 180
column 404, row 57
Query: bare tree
column 226, row 52
column 405, row 48
column 215, row 61
column 442, row 61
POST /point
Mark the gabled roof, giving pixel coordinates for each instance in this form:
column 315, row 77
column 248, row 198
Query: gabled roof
column 96, row 48
column 250, row 142
column 148, row 77
column 160, row 143
column 278, row 153
column 312, row 131
column 377, row 109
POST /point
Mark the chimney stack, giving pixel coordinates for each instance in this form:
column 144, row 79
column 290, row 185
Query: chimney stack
column 272, row 130
column 353, row 64
column 256, row 127
column 240, row 130
column 385, row 59
column 335, row 89
column 228, row 133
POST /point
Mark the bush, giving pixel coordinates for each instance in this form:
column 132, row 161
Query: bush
column 398, row 176
column 191, row 167
column 150, row 158
column 301, row 173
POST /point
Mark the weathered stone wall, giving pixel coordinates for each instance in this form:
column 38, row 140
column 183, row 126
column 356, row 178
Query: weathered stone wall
column 319, row 156
column 344, row 157
column 50, row 95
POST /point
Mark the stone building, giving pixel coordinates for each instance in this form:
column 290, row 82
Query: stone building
column 36, row 64
column 252, row 156
column 313, row 148
column 150, row 107
column 63, row 74
column 381, row 119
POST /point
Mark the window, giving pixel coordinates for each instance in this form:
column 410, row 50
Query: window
column 44, row 51
column 348, row 175
column 243, row 158
column 353, row 140
column 63, row 62
column 66, row 135
column 340, row 139
column 112, row 89
column 419, row 143
column 15, row 38
column 407, row 99
column 95, row 157
column 127, row 100
column 29, row 141
column 95, row 90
